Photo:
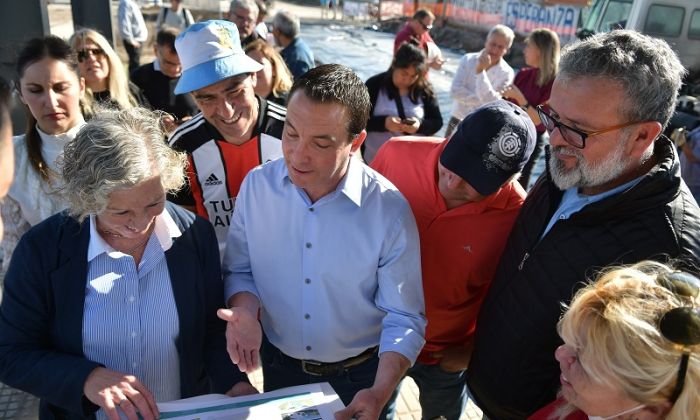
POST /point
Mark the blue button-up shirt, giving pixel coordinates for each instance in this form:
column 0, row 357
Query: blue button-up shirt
column 572, row 202
column 334, row 277
column 130, row 321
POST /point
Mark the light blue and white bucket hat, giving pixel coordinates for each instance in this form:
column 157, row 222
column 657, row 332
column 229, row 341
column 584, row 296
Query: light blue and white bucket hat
column 210, row 52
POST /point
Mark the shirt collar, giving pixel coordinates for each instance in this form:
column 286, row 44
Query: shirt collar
column 350, row 185
column 165, row 230
column 156, row 65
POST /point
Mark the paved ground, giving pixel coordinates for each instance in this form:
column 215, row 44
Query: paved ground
column 17, row 405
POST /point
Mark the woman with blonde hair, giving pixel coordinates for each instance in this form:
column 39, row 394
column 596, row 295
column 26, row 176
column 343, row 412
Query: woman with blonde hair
column 630, row 351
column 274, row 80
column 533, row 84
column 103, row 71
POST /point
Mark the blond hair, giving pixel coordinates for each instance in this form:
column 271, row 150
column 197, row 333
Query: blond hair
column 547, row 42
column 117, row 79
column 282, row 79
column 613, row 324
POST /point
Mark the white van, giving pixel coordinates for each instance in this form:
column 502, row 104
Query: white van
column 676, row 21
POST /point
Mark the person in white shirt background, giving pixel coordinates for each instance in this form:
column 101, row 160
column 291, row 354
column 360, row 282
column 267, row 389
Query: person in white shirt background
column 481, row 75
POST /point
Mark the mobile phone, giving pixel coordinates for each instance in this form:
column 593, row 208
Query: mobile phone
column 409, row 121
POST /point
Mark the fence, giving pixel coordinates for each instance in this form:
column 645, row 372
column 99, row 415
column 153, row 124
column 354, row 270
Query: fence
column 521, row 15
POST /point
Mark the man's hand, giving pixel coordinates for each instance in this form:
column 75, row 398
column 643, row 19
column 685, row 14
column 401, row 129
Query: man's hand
column 115, row 391
column 365, row 405
column 136, row 44
column 242, row 388
column 369, row 402
column 243, row 337
column 484, row 62
column 453, row 359
column 436, row 64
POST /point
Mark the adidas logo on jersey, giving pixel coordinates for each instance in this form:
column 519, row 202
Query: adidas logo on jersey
column 212, row 180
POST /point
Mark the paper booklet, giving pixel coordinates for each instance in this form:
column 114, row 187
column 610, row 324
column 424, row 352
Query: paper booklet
column 307, row 402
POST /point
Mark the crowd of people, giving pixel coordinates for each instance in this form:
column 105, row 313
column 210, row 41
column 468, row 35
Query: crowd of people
column 232, row 205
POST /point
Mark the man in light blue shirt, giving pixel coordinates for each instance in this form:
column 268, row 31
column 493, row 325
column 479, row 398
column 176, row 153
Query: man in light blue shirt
column 133, row 31
column 325, row 252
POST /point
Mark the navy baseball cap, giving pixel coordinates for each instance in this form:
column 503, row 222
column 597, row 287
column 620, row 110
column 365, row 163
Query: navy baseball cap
column 491, row 144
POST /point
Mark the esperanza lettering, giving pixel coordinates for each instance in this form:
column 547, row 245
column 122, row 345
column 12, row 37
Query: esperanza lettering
column 553, row 16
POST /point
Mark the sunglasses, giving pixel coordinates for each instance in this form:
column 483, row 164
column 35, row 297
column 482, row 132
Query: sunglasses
column 681, row 325
column 95, row 52
column 426, row 27
column 573, row 136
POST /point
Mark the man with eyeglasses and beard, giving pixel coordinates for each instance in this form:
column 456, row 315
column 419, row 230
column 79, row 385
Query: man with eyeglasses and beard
column 612, row 194
column 236, row 130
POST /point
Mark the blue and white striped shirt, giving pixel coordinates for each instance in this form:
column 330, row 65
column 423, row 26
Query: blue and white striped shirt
column 130, row 321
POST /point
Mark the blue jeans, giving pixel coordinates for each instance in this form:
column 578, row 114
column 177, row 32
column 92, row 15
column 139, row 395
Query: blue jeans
column 440, row 393
column 281, row 371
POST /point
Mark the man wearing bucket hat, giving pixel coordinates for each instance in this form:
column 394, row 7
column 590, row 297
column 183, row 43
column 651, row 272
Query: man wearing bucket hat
column 235, row 131
column 465, row 199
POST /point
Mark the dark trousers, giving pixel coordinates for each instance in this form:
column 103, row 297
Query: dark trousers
column 526, row 173
column 134, row 56
column 281, row 371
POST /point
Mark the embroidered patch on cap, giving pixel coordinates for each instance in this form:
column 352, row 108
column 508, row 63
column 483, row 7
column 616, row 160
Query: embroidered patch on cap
column 505, row 150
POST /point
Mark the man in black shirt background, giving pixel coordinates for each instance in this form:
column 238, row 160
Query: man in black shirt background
column 157, row 80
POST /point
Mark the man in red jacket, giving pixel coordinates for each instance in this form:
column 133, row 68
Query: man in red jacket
column 465, row 199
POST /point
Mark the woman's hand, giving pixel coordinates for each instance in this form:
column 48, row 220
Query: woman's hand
column 393, row 124
column 410, row 125
column 512, row 92
column 115, row 391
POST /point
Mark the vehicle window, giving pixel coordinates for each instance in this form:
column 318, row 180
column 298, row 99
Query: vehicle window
column 665, row 21
column 694, row 27
column 614, row 15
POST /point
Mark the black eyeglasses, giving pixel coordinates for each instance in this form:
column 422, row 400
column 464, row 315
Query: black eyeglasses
column 95, row 52
column 573, row 136
column 681, row 325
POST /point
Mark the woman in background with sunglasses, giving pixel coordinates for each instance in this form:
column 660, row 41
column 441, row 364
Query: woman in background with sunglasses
column 51, row 89
column 104, row 74
column 533, row 84
column 631, row 348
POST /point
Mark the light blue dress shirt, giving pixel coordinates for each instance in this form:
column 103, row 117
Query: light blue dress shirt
column 334, row 277
column 572, row 202
column 130, row 321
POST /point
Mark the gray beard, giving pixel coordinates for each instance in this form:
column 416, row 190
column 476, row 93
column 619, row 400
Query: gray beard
column 585, row 174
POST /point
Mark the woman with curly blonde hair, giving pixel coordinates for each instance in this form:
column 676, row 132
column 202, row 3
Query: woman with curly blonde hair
column 630, row 351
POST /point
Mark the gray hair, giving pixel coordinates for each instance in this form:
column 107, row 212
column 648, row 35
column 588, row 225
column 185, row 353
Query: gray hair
column 647, row 68
column 504, row 31
column 115, row 150
column 244, row 4
column 287, row 23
